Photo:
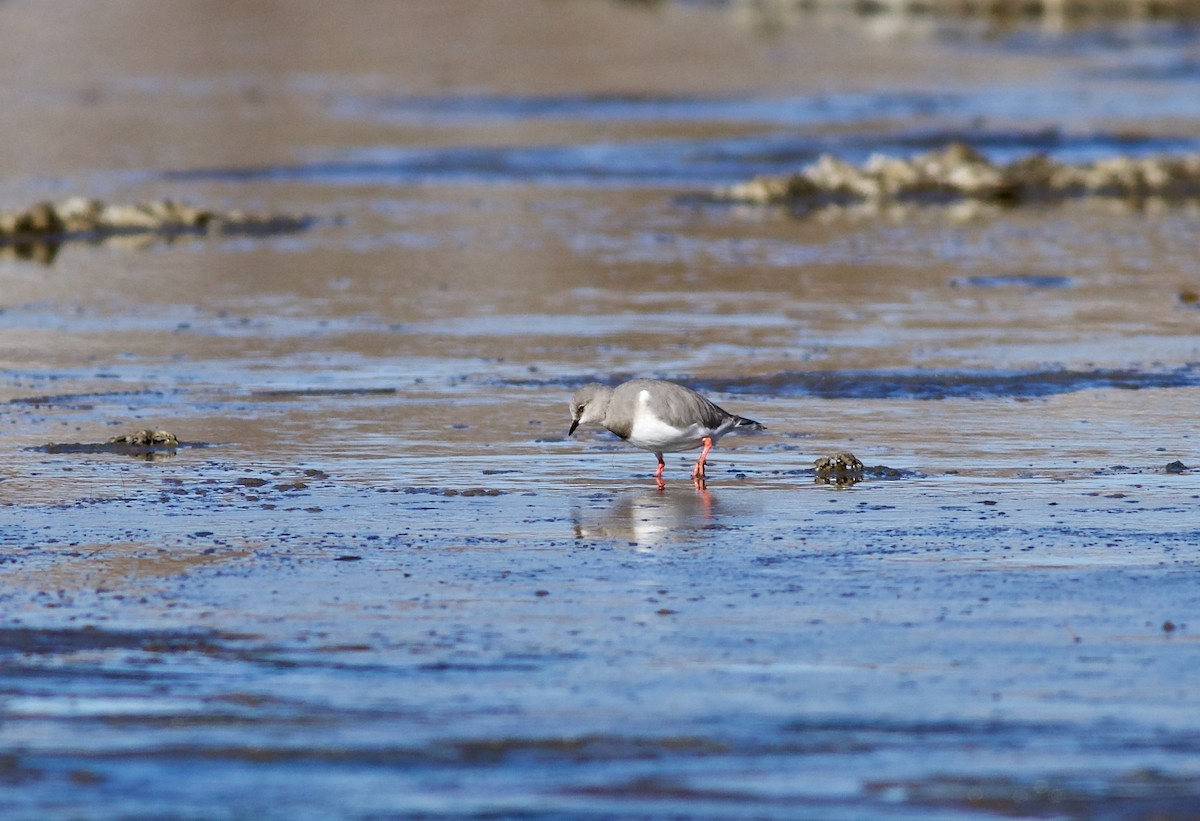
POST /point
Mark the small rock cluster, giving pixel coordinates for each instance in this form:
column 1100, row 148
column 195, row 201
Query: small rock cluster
column 146, row 438
column 958, row 171
column 149, row 444
column 839, row 469
column 83, row 217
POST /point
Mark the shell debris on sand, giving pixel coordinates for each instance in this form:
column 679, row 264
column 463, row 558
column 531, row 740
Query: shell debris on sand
column 897, row 19
column 80, row 217
column 958, row 171
column 148, row 444
column 146, row 438
column 839, row 469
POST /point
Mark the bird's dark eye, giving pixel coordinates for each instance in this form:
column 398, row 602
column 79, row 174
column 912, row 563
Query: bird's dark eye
column 579, row 408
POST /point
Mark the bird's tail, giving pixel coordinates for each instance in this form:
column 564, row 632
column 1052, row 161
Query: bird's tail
column 741, row 422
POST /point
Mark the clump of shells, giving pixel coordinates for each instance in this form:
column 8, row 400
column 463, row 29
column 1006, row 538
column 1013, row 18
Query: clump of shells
column 83, row 217
column 146, row 438
column 958, row 171
column 838, row 469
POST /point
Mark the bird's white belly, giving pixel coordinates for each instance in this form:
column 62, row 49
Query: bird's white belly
column 651, row 433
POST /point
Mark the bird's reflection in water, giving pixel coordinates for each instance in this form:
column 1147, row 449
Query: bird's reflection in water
column 646, row 519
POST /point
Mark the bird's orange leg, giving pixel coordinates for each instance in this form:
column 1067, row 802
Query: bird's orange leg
column 698, row 471
column 662, row 465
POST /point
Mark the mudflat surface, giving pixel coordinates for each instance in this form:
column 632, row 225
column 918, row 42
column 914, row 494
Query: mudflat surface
column 375, row 579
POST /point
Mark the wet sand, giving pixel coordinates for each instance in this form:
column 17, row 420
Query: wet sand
column 375, row 579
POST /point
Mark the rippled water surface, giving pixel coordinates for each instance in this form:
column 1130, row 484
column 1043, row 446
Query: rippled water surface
column 376, row 579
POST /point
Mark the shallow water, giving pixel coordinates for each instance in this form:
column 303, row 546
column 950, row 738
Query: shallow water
column 376, row 579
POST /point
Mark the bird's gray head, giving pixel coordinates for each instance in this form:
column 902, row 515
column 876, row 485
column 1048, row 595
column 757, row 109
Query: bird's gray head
column 589, row 404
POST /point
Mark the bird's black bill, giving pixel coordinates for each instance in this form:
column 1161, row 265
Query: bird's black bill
column 574, row 424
